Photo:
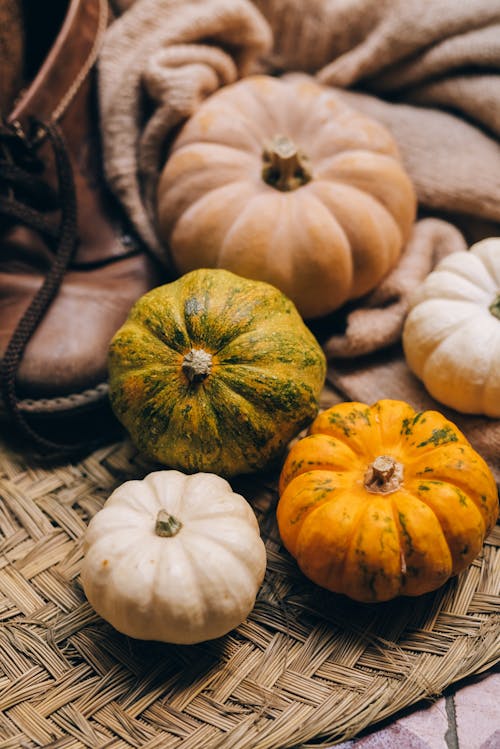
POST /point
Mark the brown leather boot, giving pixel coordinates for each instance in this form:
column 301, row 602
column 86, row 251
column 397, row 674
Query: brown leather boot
column 68, row 272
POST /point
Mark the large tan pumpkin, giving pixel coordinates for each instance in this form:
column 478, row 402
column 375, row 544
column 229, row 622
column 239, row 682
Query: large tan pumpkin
column 279, row 180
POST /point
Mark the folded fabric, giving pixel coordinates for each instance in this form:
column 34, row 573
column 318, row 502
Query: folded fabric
column 161, row 58
column 429, row 71
column 378, row 322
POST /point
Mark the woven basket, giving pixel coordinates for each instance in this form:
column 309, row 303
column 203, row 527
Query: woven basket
column 307, row 666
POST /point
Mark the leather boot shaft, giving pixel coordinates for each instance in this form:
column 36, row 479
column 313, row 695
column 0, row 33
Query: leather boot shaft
column 63, row 369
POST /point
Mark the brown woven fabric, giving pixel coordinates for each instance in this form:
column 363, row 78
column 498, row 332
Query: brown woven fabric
column 306, row 665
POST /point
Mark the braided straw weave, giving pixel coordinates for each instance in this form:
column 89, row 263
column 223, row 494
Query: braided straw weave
column 306, row 666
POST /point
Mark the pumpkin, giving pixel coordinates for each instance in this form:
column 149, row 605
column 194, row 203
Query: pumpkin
column 451, row 336
column 380, row 501
column 215, row 373
column 174, row 558
column 281, row 181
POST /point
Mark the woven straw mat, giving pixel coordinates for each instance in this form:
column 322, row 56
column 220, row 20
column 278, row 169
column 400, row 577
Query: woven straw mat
column 307, row 667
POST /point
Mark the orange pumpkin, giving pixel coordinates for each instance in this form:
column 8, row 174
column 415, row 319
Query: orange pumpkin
column 380, row 501
column 280, row 181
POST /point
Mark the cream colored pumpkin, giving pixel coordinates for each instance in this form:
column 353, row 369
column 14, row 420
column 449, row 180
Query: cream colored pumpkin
column 174, row 557
column 451, row 336
column 280, row 181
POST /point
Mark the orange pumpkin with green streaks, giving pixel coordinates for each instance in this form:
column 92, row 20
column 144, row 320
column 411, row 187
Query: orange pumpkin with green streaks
column 214, row 372
column 380, row 501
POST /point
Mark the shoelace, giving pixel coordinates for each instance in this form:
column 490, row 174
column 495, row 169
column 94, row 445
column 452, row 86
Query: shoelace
column 20, row 172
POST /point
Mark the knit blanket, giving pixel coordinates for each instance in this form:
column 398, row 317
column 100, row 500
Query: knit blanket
column 430, row 72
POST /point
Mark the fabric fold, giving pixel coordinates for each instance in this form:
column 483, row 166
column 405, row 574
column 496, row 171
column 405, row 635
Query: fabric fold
column 378, row 322
column 152, row 76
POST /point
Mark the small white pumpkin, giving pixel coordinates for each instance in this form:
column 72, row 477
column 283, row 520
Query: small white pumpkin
column 174, row 557
column 451, row 336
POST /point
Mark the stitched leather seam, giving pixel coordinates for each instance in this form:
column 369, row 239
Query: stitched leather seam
column 89, row 62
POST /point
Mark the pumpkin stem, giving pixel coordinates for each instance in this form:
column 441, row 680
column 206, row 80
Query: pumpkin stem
column 285, row 167
column 197, row 364
column 384, row 475
column 494, row 307
column 166, row 525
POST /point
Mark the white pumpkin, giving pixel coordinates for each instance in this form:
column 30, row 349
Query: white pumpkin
column 173, row 557
column 451, row 336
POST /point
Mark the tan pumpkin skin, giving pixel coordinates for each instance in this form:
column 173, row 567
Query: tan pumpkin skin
column 265, row 375
column 323, row 242
column 374, row 546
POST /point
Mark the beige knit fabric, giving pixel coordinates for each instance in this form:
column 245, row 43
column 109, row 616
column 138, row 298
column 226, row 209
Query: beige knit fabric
column 166, row 56
column 429, row 71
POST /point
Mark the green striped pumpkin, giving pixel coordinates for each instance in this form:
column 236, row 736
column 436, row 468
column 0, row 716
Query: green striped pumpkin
column 214, row 372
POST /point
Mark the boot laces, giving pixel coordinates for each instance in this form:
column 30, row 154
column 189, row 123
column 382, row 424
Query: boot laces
column 26, row 198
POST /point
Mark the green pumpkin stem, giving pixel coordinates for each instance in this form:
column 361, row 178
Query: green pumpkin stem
column 495, row 306
column 166, row 525
column 285, row 167
column 384, row 475
column 197, row 365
